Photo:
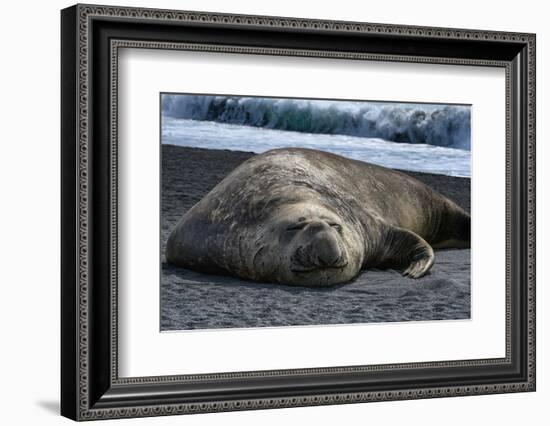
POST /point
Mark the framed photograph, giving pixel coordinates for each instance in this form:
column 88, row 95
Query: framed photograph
column 263, row 212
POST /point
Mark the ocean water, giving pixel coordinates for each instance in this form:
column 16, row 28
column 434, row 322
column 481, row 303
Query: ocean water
column 430, row 124
column 421, row 157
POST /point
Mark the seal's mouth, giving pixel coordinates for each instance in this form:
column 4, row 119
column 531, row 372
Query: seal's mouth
column 304, row 261
column 302, row 269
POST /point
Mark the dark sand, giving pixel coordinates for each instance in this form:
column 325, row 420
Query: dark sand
column 190, row 300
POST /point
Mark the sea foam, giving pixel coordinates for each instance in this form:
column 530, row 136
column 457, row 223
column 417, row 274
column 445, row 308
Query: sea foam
column 414, row 157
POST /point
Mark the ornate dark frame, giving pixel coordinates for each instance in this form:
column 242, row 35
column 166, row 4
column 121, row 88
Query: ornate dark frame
column 91, row 37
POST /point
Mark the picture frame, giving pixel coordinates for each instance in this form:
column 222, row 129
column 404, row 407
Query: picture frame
column 91, row 37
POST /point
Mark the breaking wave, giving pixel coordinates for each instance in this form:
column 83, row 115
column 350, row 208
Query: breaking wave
column 440, row 125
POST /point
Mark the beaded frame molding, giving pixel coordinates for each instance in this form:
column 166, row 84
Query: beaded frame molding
column 91, row 39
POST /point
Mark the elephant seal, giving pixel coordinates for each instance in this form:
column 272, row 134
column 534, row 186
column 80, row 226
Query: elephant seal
column 306, row 217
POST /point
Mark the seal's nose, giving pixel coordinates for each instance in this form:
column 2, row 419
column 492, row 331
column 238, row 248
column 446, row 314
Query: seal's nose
column 317, row 226
column 327, row 248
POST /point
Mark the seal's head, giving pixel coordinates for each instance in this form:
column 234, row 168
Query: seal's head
column 308, row 244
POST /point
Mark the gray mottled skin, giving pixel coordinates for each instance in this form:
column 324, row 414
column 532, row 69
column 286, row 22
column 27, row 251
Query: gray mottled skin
column 307, row 217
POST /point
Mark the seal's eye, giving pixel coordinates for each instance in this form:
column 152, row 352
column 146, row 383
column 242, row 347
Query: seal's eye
column 336, row 226
column 296, row 226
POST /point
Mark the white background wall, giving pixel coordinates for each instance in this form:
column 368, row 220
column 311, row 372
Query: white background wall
column 29, row 212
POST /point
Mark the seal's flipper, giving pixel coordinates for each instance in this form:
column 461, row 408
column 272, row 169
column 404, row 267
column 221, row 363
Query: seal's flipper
column 406, row 251
column 421, row 262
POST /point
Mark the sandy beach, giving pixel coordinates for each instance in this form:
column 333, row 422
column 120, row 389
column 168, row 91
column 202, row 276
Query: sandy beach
column 190, row 300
